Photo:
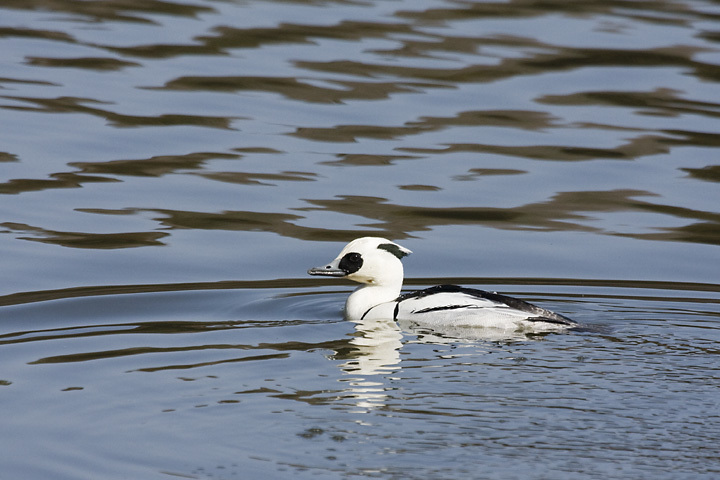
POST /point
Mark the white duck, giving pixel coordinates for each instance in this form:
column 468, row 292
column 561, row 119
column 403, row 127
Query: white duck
column 375, row 262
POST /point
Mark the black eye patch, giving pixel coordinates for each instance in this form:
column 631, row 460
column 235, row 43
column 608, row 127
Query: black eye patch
column 351, row 263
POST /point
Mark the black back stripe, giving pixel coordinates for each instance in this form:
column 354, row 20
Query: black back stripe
column 444, row 307
column 562, row 320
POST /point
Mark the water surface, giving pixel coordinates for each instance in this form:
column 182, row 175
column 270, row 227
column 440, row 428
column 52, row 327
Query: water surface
column 169, row 171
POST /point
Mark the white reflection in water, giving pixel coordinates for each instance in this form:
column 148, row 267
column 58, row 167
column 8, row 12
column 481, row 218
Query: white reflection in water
column 377, row 346
column 452, row 334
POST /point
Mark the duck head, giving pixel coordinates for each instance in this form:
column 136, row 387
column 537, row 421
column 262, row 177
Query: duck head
column 368, row 260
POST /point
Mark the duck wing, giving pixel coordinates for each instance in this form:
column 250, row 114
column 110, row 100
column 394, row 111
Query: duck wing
column 451, row 304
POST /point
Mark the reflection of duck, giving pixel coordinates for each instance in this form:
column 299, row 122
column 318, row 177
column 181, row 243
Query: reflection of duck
column 376, row 348
column 375, row 262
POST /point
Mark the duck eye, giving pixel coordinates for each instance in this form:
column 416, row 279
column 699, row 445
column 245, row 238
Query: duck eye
column 351, row 263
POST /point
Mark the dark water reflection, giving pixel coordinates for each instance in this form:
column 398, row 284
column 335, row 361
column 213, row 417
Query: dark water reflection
column 170, row 170
column 559, row 214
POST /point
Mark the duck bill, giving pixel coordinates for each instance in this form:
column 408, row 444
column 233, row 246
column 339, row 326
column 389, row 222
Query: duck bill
column 328, row 271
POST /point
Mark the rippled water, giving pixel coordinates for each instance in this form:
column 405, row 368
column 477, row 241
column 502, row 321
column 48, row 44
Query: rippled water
column 170, row 170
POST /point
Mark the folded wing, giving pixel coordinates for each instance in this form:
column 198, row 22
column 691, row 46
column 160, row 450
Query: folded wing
column 454, row 305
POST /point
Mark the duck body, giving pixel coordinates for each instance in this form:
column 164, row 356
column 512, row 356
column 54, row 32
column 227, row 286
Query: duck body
column 376, row 264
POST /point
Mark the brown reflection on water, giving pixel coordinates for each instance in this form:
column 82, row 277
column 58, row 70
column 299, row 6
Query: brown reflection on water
column 91, row 63
column 363, row 159
column 565, row 211
column 295, row 89
column 98, row 10
column 520, row 8
column 250, row 221
column 226, row 38
column 637, row 147
column 711, row 173
column 700, row 232
column 475, row 173
column 87, row 240
column 538, row 57
column 267, row 179
column 78, row 105
column 522, row 119
column 232, row 221
column 57, row 180
column 154, row 166
column 23, row 32
column 660, row 102
column 525, row 120
column 91, row 172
